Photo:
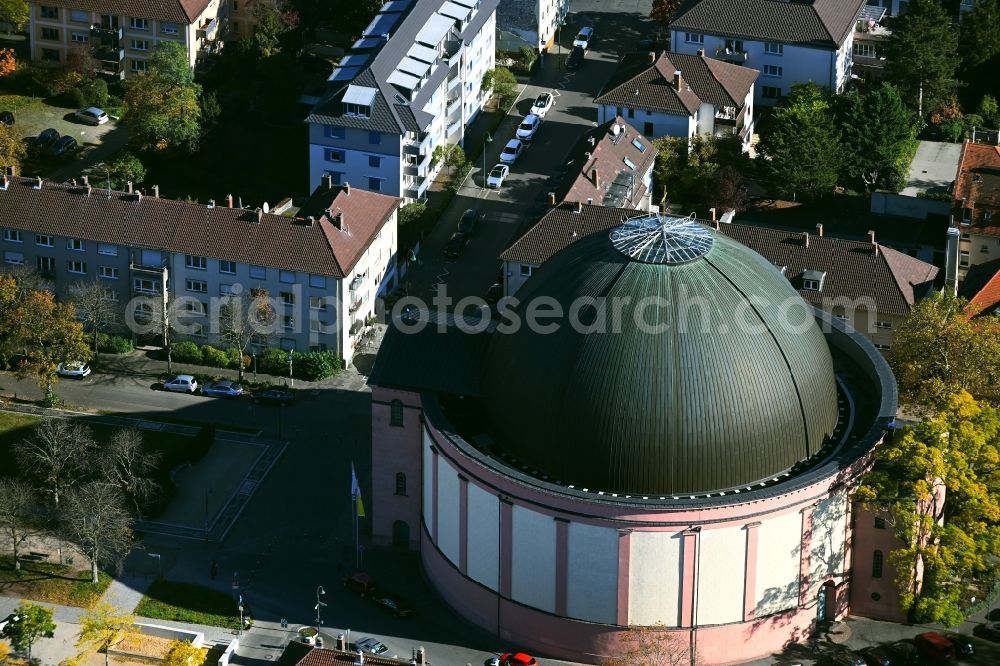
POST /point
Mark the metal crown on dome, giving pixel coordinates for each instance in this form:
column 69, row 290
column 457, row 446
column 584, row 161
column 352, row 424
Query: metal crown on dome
column 656, row 239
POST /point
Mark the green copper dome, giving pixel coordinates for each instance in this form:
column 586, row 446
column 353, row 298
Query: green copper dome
column 728, row 381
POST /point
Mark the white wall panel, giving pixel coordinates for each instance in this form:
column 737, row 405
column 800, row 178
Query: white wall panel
column 655, row 578
column 778, row 548
column 722, row 565
column 428, row 485
column 448, row 510
column 826, row 555
column 484, row 537
column 592, row 573
column 533, row 579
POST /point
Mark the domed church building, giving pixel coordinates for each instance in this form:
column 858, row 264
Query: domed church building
column 676, row 449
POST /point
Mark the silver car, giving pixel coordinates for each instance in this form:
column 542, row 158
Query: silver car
column 371, row 646
column 181, row 384
column 92, row 116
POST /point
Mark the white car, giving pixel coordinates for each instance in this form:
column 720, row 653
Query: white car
column 92, row 116
column 74, row 369
column 542, row 104
column 181, row 384
column 497, row 175
column 371, row 646
column 511, row 151
column 529, row 127
column 584, row 38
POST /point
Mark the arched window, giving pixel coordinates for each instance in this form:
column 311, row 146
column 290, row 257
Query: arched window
column 396, row 413
column 400, row 483
column 877, row 564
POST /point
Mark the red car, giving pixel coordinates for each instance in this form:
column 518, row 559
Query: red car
column 517, row 659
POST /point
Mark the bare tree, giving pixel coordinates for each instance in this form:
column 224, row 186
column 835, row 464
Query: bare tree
column 655, row 646
column 246, row 319
column 124, row 464
column 95, row 306
column 18, row 522
column 96, row 520
column 58, row 455
column 28, row 279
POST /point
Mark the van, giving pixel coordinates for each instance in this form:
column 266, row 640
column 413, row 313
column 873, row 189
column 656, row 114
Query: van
column 934, row 646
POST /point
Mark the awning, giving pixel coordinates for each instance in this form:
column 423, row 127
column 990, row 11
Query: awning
column 359, row 95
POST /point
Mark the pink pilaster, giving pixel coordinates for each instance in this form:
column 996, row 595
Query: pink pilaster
column 506, row 545
column 750, row 575
column 624, row 558
column 805, row 553
column 562, row 563
column 689, row 555
column 463, row 525
column 434, row 493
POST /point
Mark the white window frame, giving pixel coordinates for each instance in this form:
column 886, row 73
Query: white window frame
column 138, row 284
column 76, row 245
column 810, row 285
column 774, row 48
column 195, row 263
column 169, row 28
column 773, row 71
column 138, row 65
column 44, row 240
column 135, row 23
column 196, row 286
column 79, row 37
column 231, row 264
column 76, row 267
column 140, row 44
column 694, row 38
column 108, row 272
column 13, row 236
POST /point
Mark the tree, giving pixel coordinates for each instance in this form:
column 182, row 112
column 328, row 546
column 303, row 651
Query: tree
column 126, row 168
column 654, row 646
column 33, row 622
column 8, row 62
column 801, row 145
column 96, row 520
column 4, row 652
column 989, row 111
column 95, row 306
column 663, row 11
column 17, row 514
column 12, row 147
column 103, row 627
column 940, row 349
column 58, row 455
column 14, row 12
column 246, row 319
column 980, row 33
column 940, row 484
column 501, row 82
column 162, row 108
column 28, row 279
column 125, row 464
column 80, row 59
column 879, row 138
column 922, row 55
column 183, row 653
column 211, row 109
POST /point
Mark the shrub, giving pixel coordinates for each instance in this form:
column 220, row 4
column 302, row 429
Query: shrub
column 313, row 366
column 214, row 357
column 185, row 352
column 34, row 81
column 96, row 92
column 72, row 98
column 233, row 358
column 273, row 361
column 113, row 344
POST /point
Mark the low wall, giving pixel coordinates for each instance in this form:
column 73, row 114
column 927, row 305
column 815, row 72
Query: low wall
column 196, row 638
column 230, row 651
column 889, row 203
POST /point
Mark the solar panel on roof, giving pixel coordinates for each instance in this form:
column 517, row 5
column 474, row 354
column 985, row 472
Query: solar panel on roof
column 366, row 43
column 414, row 67
column 344, row 74
column 382, row 24
column 403, row 80
column 435, row 29
column 423, row 53
column 361, row 95
column 466, row 3
column 354, row 60
column 455, row 11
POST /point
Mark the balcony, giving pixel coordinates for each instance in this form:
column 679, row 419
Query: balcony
column 454, row 127
column 453, row 52
column 411, row 170
column 411, row 192
column 109, row 55
column 355, row 283
column 355, row 306
column 454, row 104
column 99, row 31
column 208, row 30
column 734, row 55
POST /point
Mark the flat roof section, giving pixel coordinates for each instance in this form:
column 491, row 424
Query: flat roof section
column 933, row 168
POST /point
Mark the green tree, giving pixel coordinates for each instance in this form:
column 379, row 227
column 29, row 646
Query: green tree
column 800, row 147
column 922, row 56
column 12, row 148
column 183, row 653
column 879, row 138
column 663, row 11
column 103, row 627
column 503, row 84
column 33, row 622
column 940, row 484
column 125, row 168
column 989, row 111
column 14, row 12
column 162, row 108
column 980, row 33
column 211, row 109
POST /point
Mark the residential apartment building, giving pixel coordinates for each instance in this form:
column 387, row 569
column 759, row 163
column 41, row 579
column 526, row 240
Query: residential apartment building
column 536, row 23
column 788, row 42
column 122, row 36
column 868, row 285
column 411, row 83
column 870, row 38
column 976, row 206
column 674, row 94
column 323, row 268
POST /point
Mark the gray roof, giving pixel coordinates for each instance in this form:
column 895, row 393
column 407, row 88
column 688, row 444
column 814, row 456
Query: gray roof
column 706, row 404
column 818, row 23
column 393, row 112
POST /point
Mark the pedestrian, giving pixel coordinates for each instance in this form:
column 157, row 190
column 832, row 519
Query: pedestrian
column 214, row 570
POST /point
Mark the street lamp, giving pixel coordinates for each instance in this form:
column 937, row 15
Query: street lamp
column 254, row 353
column 559, row 27
column 290, row 378
column 486, row 140
column 319, row 604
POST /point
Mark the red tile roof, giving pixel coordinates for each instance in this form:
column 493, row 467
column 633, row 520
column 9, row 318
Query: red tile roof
column 982, row 287
column 331, row 657
column 607, row 155
column 181, row 11
column 232, row 234
column 977, row 186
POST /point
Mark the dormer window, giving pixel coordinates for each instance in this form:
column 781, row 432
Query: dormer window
column 358, row 101
column 812, row 280
column 357, row 110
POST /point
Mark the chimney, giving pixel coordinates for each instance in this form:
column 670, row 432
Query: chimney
column 715, row 222
column 72, row 181
column 12, row 171
column 229, row 201
column 138, row 197
column 156, row 191
column 871, row 236
column 579, row 207
column 347, row 189
column 678, row 79
column 128, row 186
column 327, row 181
column 421, row 656
column 652, row 57
column 552, row 198
column 805, row 239
column 6, row 181
column 590, row 201
column 701, row 53
column 338, row 219
column 239, row 202
column 211, row 203
column 341, row 642
column 596, row 177
column 86, row 180
column 819, row 229
column 311, row 221
column 38, row 183
column 712, row 211
column 89, row 188
column 260, row 214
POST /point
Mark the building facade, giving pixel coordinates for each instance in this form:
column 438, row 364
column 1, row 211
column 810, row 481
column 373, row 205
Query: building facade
column 323, row 269
column 533, row 23
column 412, row 83
column 976, row 206
column 123, row 44
column 813, row 42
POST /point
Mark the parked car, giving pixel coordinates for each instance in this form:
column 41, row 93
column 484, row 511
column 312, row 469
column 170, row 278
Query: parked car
column 371, row 646
column 92, row 116
column 933, row 645
column 963, row 644
column 396, row 605
column 584, row 38
column 517, row 659
column 498, row 174
column 511, row 151
column 223, row 389
column 847, row 658
column 74, row 369
column 494, row 293
column 359, row 582
column 575, row 58
column 45, row 137
column 181, row 384
column 876, row 656
column 542, row 104
column 990, row 630
column 904, row 653
column 529, row 127
column 469, row 222
column 274, row 396
column 63, row 146
column 7, row 117
column 457, row 242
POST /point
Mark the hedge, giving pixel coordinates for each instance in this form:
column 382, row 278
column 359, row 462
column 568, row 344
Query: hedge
column 309, row 366
column 113, row 344
column 186, row 352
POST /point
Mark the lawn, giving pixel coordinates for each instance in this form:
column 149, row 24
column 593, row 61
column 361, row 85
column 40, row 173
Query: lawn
column 54, row 583
column 185, row 602
column 17, row 103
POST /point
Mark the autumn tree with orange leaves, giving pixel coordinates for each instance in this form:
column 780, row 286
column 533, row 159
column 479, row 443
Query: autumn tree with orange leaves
column 663, row 11
column 8, row 63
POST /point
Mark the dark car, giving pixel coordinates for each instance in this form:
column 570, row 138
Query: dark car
column 904, row 653
column 274, row 396
column 494, row 293
column 7, row 117
column 847, row 658
column 63, row 146
column 934, row 646
column 575, row 58
column 46, row 137
column 876, row 656
column 223, row 389
column 360, row 582
column 469, row 222
column 963, row 644
column 396, row 605
column 457, row 243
